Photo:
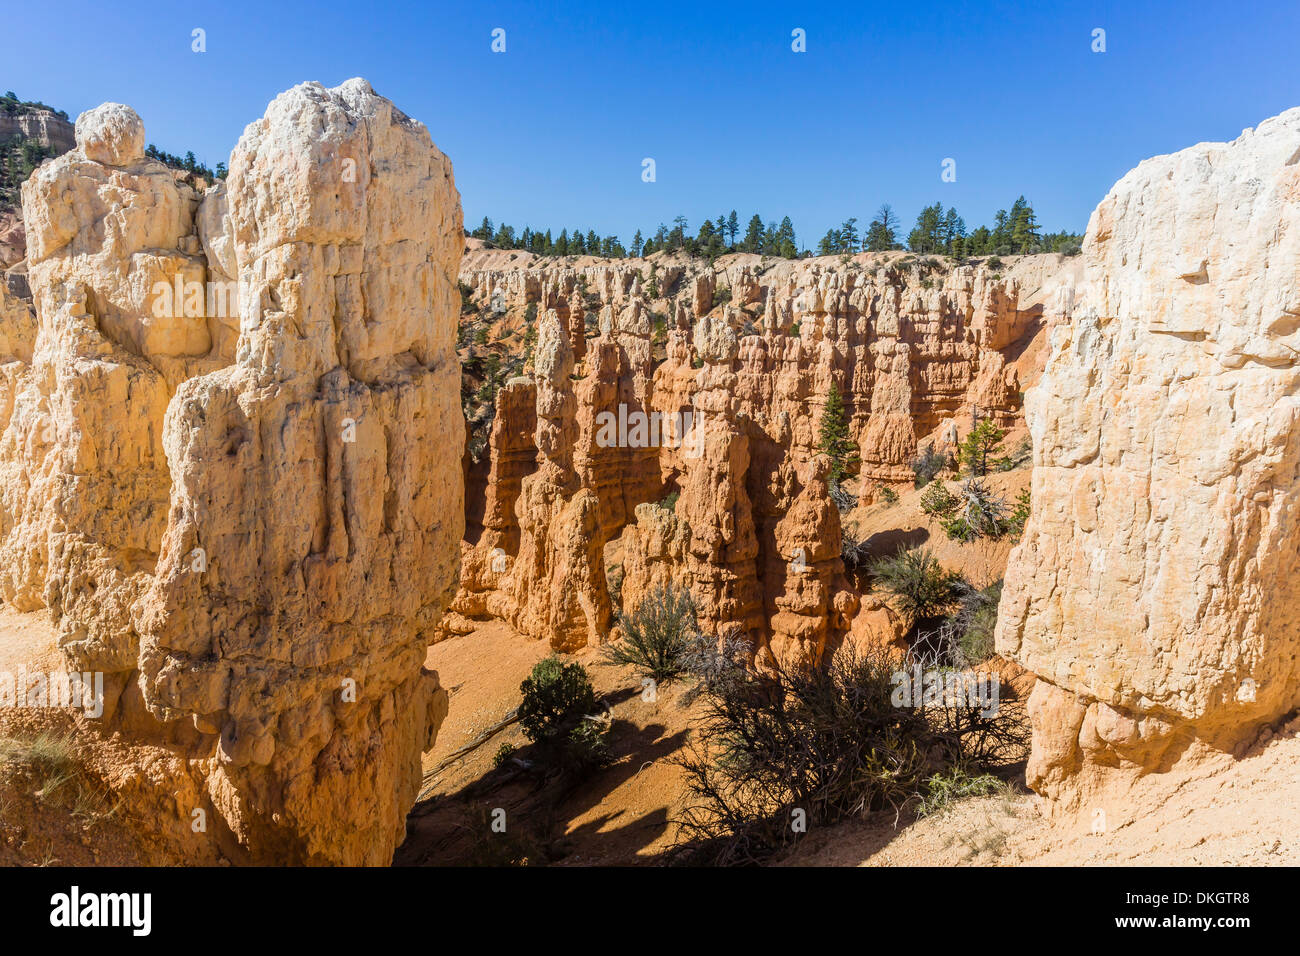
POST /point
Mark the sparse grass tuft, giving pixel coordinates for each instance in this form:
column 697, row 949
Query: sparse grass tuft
column 59, row 777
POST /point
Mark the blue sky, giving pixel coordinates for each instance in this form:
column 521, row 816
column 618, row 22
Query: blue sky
column 553, row 131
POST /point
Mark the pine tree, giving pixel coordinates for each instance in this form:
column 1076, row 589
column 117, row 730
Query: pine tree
column 733, row 227
column 637, row 243
column 754, row 235
column 786, row 245
column 880, row 235
column 833, row 435
column 849, row 236
column 828, row 243
column 927, row 234
column 983, row 440
column 1024, row 227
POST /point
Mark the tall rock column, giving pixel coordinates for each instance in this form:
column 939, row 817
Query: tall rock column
column 558, row 578
column 85, row 488
column 316, row 487
column 1155, row 589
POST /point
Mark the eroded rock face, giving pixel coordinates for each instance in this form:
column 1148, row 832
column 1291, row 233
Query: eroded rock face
column 249, row 514
column 557, row 581
column 729, row 368
column 86, row 482
column 1155, row 589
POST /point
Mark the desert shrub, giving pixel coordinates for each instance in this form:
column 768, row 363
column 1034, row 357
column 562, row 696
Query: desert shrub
column 919, row 587
column 994, row 263
column 669, row 501
column 887, row 494
column 503, row 755
column 558, row 712
column 974, row 512
column 853, row 550
column 975, row 620
column 554, row 694
column 965, row 637
column 928, row 464
column 1021, row 455
column 956, row 783
column 1019, row 515
column 658, row 635
column 937, row 500
column 843, row 501
column 829, row 741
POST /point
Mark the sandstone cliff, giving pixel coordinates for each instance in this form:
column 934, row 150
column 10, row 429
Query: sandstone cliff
column 1154, row 591
column 241, row 502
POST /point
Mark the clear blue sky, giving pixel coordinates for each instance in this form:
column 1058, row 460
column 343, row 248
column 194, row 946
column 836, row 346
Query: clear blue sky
column 552, row 132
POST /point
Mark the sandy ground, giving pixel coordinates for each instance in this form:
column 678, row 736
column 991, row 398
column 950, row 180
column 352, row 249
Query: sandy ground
column 618, row 816
column 1223, row 812
column 27, row 640
column 54, row 811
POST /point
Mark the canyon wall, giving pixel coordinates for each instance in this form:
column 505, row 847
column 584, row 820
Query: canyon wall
column 727, row 367
column 1155, row 588
column 241, row 502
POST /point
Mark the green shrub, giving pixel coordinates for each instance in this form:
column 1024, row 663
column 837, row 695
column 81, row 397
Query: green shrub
column 658, row 636
column 827, row 742
column 937, row 501
column 974, row 512
column 887, row 494
column 1022, row 455
column 919, row 587
column 946, row 787
column 1019, row 515
column 976, row 621
column 558, row 713
column 503, row 755
column 556, row 696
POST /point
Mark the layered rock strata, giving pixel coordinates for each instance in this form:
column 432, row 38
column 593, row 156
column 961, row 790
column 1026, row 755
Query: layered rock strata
column 726, row 370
